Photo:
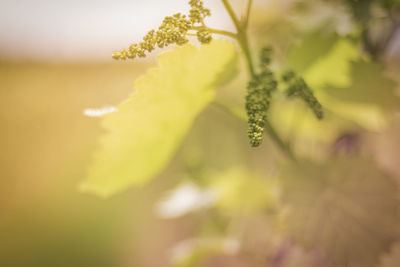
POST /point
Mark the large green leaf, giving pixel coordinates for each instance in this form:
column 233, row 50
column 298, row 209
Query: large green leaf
column 346, row 207
column 352, row 88
column 144, row 133
column 322, row 59
column 352, row 91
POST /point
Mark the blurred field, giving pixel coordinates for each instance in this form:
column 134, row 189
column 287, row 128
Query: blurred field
column 46, row 143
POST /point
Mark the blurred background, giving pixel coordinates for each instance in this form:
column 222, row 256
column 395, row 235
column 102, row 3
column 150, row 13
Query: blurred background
column 55, row 62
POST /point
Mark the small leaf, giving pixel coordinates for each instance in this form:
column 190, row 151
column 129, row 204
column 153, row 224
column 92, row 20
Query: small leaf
column 147, row 129
column 347, row 208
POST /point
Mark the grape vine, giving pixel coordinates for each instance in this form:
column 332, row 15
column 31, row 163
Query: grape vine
column 176, row 29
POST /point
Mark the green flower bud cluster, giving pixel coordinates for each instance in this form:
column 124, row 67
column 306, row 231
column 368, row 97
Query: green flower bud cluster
column 297, row 87
column 204, row 36
column 258, row 98
column 197, row 12
column 173, row 30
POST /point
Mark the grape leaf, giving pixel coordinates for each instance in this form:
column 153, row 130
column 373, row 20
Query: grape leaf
column 352, row 88
column 345, row 207
column 146, row 130
column 329, row 65
column 353, row 93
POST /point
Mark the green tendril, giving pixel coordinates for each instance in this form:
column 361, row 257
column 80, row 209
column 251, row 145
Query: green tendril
column 297, row 87
column 173, row 30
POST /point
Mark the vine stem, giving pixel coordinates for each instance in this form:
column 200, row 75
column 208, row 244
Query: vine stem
column 241, row 36
column 246, row 19
column 283, row 145
column 232, row 14
column 242, row 39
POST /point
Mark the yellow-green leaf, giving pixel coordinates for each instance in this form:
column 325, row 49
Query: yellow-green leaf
column 143, row 134
column 352, row 88
column 330, row 65
column 352, row 92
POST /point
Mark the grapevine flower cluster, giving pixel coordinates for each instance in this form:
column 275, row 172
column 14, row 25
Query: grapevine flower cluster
column 258, row 98
column 260, row 89
column 173, row 30
column 297, row 87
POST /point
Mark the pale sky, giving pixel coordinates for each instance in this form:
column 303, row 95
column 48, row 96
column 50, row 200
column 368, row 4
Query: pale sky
column 85, row 29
